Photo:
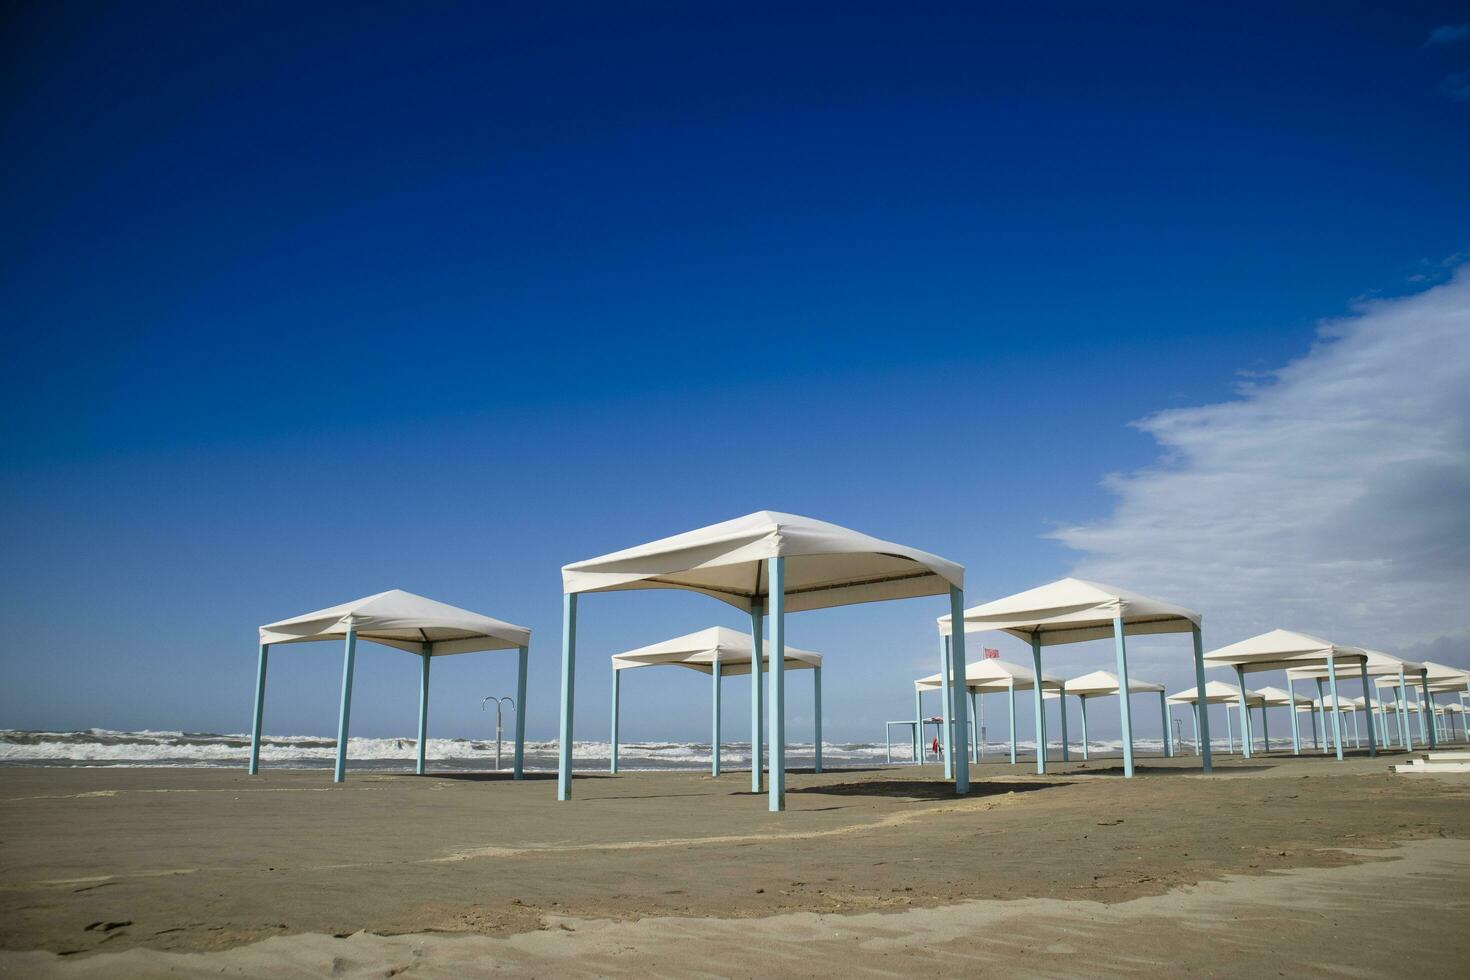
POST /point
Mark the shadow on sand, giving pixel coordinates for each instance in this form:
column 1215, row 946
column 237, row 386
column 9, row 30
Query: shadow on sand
column 920, row 789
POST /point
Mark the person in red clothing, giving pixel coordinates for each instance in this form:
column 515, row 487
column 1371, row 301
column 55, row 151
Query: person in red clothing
column 935, row 747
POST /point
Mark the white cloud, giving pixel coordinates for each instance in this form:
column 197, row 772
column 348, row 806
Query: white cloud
column 1449, row 34
column 1332, row 497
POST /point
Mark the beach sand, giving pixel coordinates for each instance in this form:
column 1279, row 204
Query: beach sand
column 1280, row 864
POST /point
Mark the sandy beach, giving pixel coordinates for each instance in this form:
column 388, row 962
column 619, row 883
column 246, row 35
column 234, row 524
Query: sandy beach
column 1276, row 863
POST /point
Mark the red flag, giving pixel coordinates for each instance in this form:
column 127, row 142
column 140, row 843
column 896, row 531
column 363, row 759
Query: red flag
column 991, row 654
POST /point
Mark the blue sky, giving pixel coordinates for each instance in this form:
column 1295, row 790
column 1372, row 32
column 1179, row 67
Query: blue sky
column 306, row 303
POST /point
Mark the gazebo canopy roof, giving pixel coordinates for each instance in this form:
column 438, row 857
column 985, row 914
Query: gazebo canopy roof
column 1100, row 683
column 1072, row 610
column 1219, row 692
column 700, row 651
column 1277, row 698
column 1437, row 673
column 1343, row 701
column 1379, row 665
column 1280, row 649
column 826, row 565
column 993, row 675
column 401, row 619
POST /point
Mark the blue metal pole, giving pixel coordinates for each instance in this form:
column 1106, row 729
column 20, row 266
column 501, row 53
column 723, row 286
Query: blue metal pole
column 349, row 657
column 757, row 641
column 259, row 709
column 1428, row 702
column 1011, row 686
column 522, row 655
column 958, row 684
column 776, row 576
column 1082, row 707
column 946, row 701
column 1204, row 716
column 1037, row 706
column 975, row 749
column 1336, row 704
column 1164, row 715
column 424, row 707
column 1062, row 704
column 568, row 686
column 1125, row 710
column 918, row 726
column 1368, row 708
column 617, row 701
column 714, row 745
column 1296, row 731
column 817, row 699
column 1245, row 718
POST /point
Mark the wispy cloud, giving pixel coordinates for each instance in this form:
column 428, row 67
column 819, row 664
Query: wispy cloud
column 1456, row 86
column 1449, row 34
column 1333, row 497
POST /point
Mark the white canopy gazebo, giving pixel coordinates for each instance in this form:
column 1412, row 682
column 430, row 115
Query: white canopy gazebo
column 1286, row 650
column 1072, row 610
column 720, row 652
column 1101, row 684
column 767, row 564
column 1275, row 697
column 1378, row 665
column 1219, row 692
column 1444, row 679
column 988, row 676
column 403, row 621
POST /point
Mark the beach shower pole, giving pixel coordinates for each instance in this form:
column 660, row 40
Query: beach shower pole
column 1336, row 704
column 498, row 702
column 757, row 639
column 520, row 706
column 617, row 697
column 1296, row 733
column 568, row 671
column 957, row 661
column 1062, row 703
column 349, row 656
column 1368, row 705
column 776, row 576
column 817, row 699
column 259, row 709
column 714, row 745
column 1125, row 709
column 918, row 732
column 1204, row 716
column 1195, row 706
column 1164, row 716
column 1229, row 735
column 1011, row 686
column 424, row 707
column 946, row 701
column 1321, row 708
column 1401, row 703
column 975, row 749
column 1038, row 705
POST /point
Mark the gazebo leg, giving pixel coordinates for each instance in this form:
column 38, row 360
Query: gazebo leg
column 1038, row 706
column 1082, row 709
column 1403, row 708
column 757, row 640
column 1204, row 715
column 1011, row 687
column 1322, row 711
column 349, row 657
column 1296, row 729
column 259, row 709
column 423, row 709
column 1427, row 702
column 1229, row 734
column 975, row 749
column 714, row 745
column 1164, row 720
column 1336, row 705
column 1316, row 737
column 817, row 698
column 1125, row 708
column 520, row 756
column 946, row 701
column 617, row 703
column 1196, row 727
column 958, row 684
column 1062, row 706
column 776, row 576
column 1368, row 707
column 918, row 727
column 568, row 684
column 1265, row 730
column 1245, row 715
